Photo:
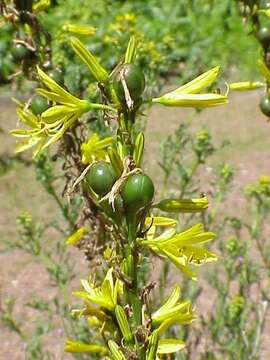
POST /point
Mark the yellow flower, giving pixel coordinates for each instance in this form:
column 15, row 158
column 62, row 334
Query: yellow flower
column 182, row 248
column 78, row 347
column 188, row 94
column 183, row 205
column 172, row 307
column 80, row 29
column 41, row 5
column 76, row 236
column 95, row 148
column 245, row 85
column 50, row 126
column 172, row 312
column 100, row 74
column 105, row 295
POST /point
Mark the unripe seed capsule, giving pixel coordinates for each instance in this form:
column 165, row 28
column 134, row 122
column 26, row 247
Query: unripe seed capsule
column 101, row 177
column 138, row 192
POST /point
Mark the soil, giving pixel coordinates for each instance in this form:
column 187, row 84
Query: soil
column 21, row 275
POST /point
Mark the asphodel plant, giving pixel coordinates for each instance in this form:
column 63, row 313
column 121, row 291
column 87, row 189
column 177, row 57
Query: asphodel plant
column 129, row 322
column 258, row 14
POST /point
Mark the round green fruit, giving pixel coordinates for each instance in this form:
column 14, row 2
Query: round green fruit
column 134, row 79
column 57, row 76
column 39, row 104
column 265, row 106
column 101, row 177
column 264, row 35
column 20, row 52
column 138, row 192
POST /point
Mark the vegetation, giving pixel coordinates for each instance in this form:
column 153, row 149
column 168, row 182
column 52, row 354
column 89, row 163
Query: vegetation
column 90, row 77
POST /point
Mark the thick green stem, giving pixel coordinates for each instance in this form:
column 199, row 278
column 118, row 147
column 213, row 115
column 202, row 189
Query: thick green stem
column 133, row 294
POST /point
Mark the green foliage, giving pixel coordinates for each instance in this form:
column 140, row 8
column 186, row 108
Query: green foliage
column 198, row 34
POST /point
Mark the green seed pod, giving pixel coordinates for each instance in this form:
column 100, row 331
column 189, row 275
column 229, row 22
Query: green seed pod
column 264, row 36
column 138, row 149
column 138, row 192
column 101, row 177
column 265, row 106
column 39, row 104
column 20, row 52
column 134, row 79
column 123, row 323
